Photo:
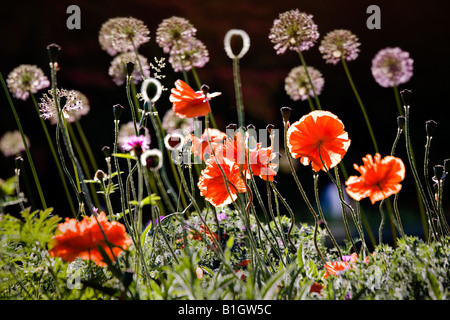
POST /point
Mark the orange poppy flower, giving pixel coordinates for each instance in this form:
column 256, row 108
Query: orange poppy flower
column 380, row 178
column 335, row 267
column 200, row 147
column 318, row 130
column 261, row 163
column 187, row 103
column 212, row 185
column 80, row 239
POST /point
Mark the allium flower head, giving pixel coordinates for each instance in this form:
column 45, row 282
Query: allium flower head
column 172, row 122
column 122, row 34
column 293, row 30
column 47, row 105
column 392, row 67
column 297, row 85
column 11, row 143
column 118, row 70
column 136, row 145
column 76, row 114
column 25, row 79
column 339, row 44
column 173, row 32
column 190, row 53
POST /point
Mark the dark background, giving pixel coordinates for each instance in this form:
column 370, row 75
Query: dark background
column 419, row 27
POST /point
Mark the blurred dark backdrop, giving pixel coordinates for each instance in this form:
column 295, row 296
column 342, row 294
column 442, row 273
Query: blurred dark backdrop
column 419, row 27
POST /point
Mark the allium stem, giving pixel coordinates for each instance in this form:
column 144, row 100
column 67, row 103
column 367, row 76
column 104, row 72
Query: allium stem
column 30, row 159
column 132, row 106
column 397, row 100
column 363, row 109
column 238, row 92
column 316, row 97
column 55, row 157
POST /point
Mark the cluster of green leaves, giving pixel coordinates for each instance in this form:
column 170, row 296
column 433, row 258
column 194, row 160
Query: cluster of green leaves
column 192, row 269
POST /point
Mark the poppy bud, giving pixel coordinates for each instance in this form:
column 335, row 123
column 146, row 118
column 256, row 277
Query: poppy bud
column 439, row 172
column 106, row 151
column 130, row 68
column 406, row 96
column 205, row 89
column 100, row 175
column 117, row 111
column 53, row 51
column 251, row 127
column 401, row 122
column 447, row 165
column 430, row 127
column 269, row 128
column 286, row 113
column 19, row 163
column 232, row 126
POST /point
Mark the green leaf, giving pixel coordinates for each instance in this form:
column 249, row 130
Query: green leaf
column 125, row 156
column 144, row 234
column 9, row 186
column 151, row 199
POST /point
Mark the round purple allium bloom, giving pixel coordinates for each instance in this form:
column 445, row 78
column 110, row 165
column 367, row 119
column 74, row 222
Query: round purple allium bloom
column 173, row 32
column 122, row 35
column 47, row 105
column 392, row 67
column 293, row 30
column 297, row 85
column 25, row 79
column 192, row 53
column 11, row 143
column 136, row 144
column 339, row 44
column 118, row 70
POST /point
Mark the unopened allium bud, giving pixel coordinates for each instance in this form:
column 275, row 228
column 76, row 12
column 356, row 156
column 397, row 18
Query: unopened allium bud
column 53, row 52
column 401, row 122
column 286, row 113
column 152, row 159
column 117, row 111
column 151, row 89
column 430, row 127
column 406, row 96
column 245, row 43
column 439, row 172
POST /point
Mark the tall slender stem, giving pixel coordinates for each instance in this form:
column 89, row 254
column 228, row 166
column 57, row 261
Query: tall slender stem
column 30, row 159
column 363, row 109
column 316, row 98
column 55, row 157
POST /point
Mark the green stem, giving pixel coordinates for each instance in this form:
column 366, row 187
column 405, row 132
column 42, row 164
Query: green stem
column 238, row 92
column 363, row 109
column 397, row 100
column 86, row 145
column 55, row 157
column 316, row 98
column 30, row 160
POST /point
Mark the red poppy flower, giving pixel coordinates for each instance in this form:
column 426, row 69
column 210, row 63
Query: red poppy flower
column 200, row 147
column 187, row 103
column 318, row 130
column 379, row 179
column 316, row 287
column 212, row 185
column 80, row 239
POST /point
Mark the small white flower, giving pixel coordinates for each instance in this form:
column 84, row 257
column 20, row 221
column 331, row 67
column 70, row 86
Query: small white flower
column 245, row 46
